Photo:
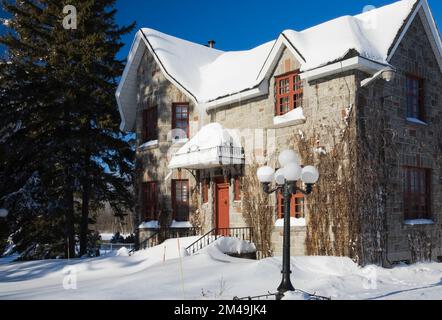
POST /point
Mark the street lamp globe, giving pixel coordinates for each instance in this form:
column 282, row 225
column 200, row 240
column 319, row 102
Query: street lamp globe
column 280, row 177
column 310, row 175
column 288, row 156
column 292, row 172
column 266, row 174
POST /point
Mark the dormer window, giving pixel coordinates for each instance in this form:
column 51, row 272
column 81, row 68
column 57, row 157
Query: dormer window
column 289, row 93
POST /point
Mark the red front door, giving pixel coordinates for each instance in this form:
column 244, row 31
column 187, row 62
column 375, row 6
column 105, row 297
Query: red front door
column 222, row 206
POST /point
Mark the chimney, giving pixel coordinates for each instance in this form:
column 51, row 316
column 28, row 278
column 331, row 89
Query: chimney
column 211, row 43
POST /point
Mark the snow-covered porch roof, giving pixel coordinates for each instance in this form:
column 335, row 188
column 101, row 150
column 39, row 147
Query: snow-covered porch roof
column 212, row 147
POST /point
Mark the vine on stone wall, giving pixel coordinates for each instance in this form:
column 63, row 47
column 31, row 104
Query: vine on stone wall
column 257, row 211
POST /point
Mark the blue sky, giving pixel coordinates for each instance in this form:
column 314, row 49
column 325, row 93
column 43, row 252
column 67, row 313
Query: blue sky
column 237, row 24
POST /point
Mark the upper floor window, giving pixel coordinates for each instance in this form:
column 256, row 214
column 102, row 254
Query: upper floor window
column 180, row 117
column 297, row 206
column 149, row 201
column 289, row 93
column 180, row 200
column 415, row 98
column 150, row 124
column 417, row 193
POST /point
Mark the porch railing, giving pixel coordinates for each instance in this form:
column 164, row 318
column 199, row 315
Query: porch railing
column 217, row 233
column 165, row 234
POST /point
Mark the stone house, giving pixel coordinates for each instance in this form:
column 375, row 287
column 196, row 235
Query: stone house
column 358, row 96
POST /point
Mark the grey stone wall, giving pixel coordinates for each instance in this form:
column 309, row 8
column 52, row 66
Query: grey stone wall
column 410, row 144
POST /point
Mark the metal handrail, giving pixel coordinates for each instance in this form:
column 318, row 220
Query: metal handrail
column 243, row 233
column 145, row 244
column 166, row 234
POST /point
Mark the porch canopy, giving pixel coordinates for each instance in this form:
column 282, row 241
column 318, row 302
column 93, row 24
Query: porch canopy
column 212, row 147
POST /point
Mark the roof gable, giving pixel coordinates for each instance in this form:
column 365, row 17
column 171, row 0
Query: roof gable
column 208, row 76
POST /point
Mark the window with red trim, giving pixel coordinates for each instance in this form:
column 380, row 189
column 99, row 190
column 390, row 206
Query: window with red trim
column 150, row 200
column 180, row 200
column 289, row 93
column 415, row 98
column 297, row 206
column 237, row 189
column 205, row 190
column 150, row 124
column 180, row 117
column 417, row 193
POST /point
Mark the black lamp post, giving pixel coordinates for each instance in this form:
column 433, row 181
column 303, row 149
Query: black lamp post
column 286, row 182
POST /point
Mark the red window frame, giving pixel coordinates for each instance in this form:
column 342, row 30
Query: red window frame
column 289, row 92
column 180, row 199
column 415, row 97
column 181, row 117
column 150, row 124
column 205, row 190
column 237, row 189
column 297, row 206
column 150, row 201
column 417, row 193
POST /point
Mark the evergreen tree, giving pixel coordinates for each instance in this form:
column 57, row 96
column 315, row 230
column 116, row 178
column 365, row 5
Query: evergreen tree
column 59, row 113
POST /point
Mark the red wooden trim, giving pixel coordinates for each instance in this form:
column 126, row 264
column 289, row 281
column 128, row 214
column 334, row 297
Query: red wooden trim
column 149, row 200
column 413, row 198
column 176, row 203
column 291, row 94
column 181, row 104
column 150, row 123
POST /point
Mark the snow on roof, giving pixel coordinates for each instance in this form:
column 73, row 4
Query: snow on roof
column 208, row 74
column 203, row 150
column 371, row 34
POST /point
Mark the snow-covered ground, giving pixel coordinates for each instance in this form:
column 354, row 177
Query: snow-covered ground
column 159, row 273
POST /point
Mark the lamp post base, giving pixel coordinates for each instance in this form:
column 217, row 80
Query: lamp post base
column 286, row 284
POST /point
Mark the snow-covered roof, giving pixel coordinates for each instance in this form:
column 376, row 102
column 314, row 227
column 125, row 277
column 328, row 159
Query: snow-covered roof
column 213, row 146
column 209, row 75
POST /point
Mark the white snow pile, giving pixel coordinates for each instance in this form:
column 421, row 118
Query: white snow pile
column 296, row 115
column 180, row 224
column 123, row 252
column 163, row 271
column 371, row 34
column 149, row 225
column 228, row 245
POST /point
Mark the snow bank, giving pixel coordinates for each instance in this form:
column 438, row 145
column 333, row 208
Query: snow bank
column 123, row 252
column 145, row 275
column 233, row 245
